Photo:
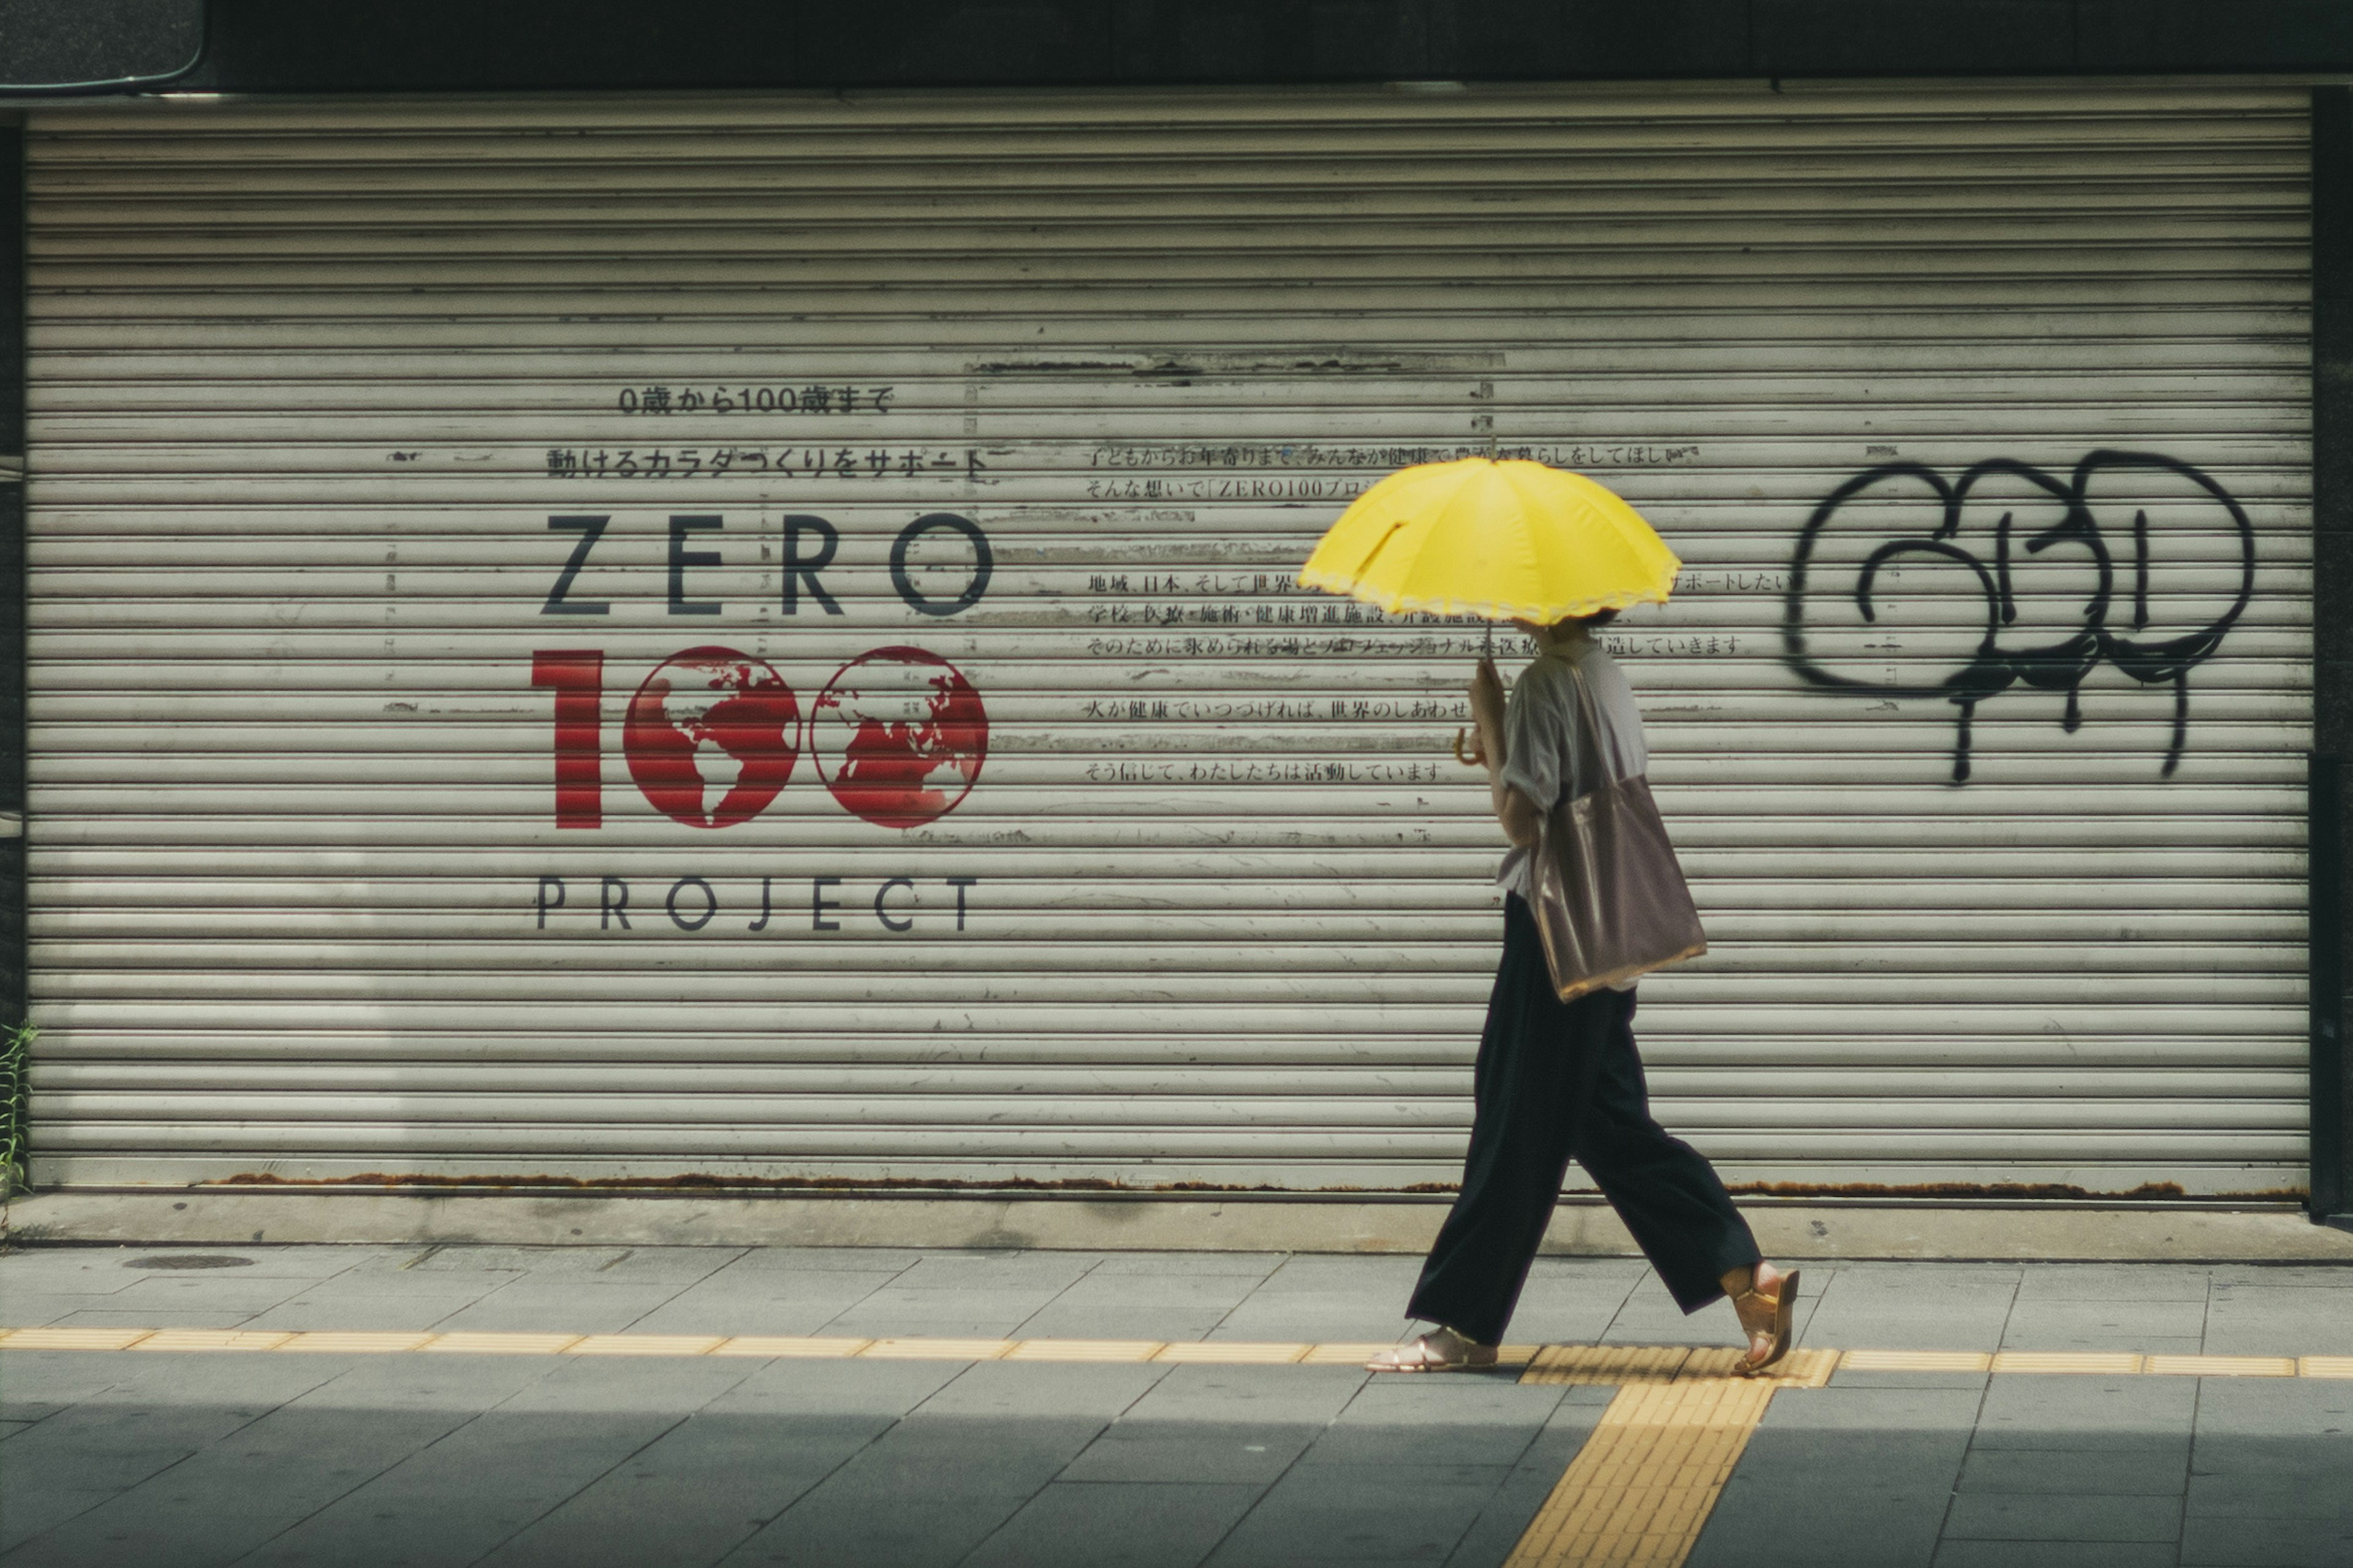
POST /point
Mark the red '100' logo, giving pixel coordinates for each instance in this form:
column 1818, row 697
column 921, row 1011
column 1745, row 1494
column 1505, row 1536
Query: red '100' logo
column 712, row 735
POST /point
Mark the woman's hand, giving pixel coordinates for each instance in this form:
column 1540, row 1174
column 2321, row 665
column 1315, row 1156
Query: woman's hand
column 1487, row 706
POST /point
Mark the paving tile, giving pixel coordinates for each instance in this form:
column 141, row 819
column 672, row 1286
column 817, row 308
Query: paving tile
column 1391, row 1274
column 1562, row 1304
column 1912, row 1326
column 2067, row 1325
column 2293, row 1410
column 863, row 1389
column 1931, row 1408
column 2258, row 1320
column 2208, row 1541
column 1007, row 1389
column 1170, row 1523
column 1406, row 1514
column 82, row 1457
column 1315, row 1394
column 39, row 1273
column 763, row 1303
column 1649, row 1317
column 364, row 1285
column 368, row 1384
column 694, row 1493
column 1188, row 1293
column 2284, row 1275
column 1508, row 1512
column 1300, row 1315
column 2113, row 1282
column 163, row 1378
column 1895, row 1453
column 553, row 1305
column 79, row 1460
column 668, row 1265
column 1401, row 1421
column 174, row 1301
column 1135, row 1321
column 805, row 1259
column 135, row 1263
column 901, row 1309
column 949, row 1484
column 2281, row 1452
column 628, row 1386
column 35, row 1384
column 1562, row 1323
column 150, row 1318
column 2062, row 1470
column 54, row 1263
column 1128, row 1306
column 399, row 1259
column 1239, row 1264
column 1913, row 1281
column 1140, row 1450
column 460, row 1499
column 1866, row 1524
column 2297, row 1485
column 460, row 1258
column 38, row 1309
column 2056, row 1554
column 352, row 1311
column 2149, row 1415
column 1010, row 1272
column 2062, row 1516
column 310, row 1456
column 739, row 1281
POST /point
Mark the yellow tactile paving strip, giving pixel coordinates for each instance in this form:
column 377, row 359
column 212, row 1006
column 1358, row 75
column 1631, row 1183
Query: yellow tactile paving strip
column 1640, row 1490
column 1625, row 1366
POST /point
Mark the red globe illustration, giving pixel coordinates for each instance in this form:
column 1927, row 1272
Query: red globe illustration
column 899, row 735
column 711, row 736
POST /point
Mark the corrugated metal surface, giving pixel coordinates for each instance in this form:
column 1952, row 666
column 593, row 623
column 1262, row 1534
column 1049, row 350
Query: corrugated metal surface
column 316, row 390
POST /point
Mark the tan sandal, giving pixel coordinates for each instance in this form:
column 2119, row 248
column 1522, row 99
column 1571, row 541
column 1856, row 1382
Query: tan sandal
column 1442, row 1350
column 1784, row 1303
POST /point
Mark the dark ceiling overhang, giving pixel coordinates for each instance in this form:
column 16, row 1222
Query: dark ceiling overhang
column 429, row 46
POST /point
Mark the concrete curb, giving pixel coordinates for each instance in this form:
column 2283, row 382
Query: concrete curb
column 1787, row 1230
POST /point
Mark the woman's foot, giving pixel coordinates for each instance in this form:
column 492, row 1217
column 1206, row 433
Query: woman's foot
column 1766, row 1300
column 1440, row 1350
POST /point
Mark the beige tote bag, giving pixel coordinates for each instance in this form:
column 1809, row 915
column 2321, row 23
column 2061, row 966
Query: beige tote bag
column 1610, row 899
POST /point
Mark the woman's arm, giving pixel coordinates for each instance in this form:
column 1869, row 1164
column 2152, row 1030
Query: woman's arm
column 1514, row 812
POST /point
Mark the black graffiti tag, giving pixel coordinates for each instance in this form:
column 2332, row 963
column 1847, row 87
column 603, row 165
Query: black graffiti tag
column 2046, row 526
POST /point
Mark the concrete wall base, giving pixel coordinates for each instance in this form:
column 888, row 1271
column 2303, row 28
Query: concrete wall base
column 1787, row 1230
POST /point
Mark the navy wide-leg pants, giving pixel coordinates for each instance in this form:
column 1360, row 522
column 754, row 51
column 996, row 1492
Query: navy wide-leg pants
column 1560, row 1081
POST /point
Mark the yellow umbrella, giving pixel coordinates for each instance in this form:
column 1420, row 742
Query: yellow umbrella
column 1502, row 540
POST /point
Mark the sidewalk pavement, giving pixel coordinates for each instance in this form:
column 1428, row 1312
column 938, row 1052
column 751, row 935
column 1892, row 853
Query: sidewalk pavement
column 384, row 1452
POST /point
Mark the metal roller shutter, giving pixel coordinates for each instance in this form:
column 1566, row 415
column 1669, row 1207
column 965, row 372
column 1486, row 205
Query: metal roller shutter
column 978, row 436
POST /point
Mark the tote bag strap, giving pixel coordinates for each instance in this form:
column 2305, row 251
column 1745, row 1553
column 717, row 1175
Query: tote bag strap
column 1588, row 720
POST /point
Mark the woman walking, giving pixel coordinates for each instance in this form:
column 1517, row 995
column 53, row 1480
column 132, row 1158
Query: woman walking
column 1559, row 1080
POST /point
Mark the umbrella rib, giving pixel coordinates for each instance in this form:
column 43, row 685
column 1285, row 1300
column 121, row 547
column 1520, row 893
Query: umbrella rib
column 1383, row 543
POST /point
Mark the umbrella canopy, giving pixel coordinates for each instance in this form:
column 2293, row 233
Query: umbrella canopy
column 1502, row 540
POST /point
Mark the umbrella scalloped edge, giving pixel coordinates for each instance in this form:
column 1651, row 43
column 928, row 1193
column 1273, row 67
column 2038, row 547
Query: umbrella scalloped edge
column 1488, row 610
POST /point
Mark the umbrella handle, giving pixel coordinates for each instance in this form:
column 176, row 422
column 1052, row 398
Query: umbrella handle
column 1462, row 756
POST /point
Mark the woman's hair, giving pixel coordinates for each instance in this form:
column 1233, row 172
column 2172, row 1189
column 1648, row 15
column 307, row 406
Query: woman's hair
column 1595, row 621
